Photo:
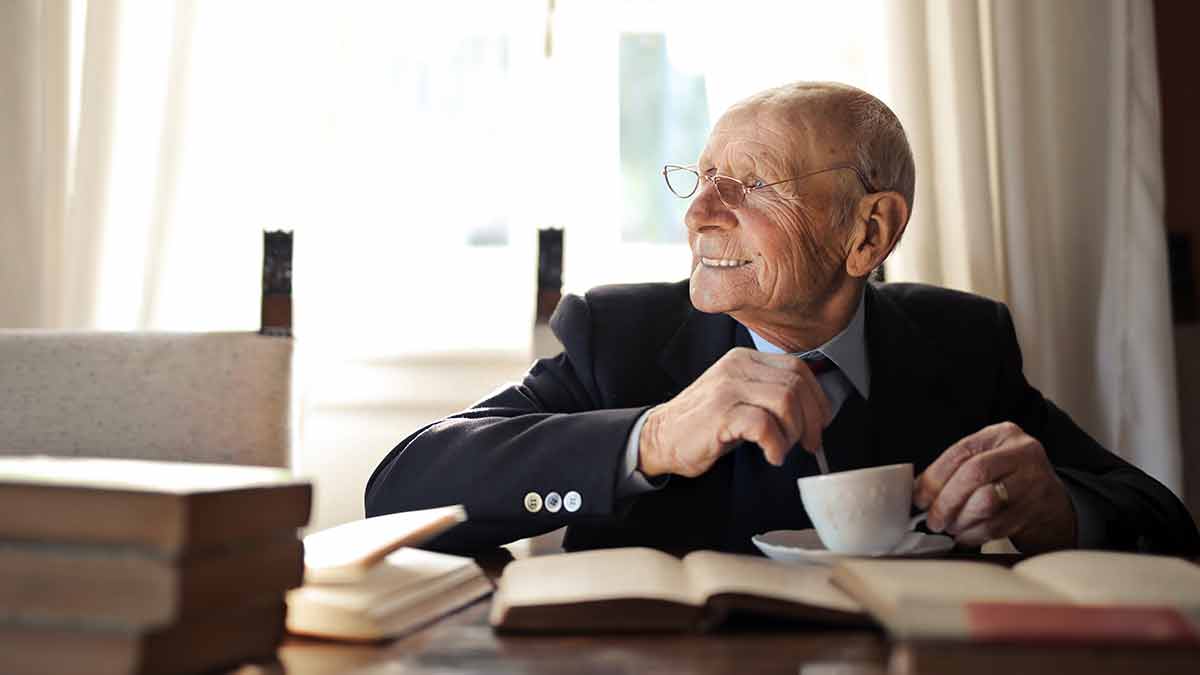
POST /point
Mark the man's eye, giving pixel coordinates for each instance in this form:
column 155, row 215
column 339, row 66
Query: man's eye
column 758, row 183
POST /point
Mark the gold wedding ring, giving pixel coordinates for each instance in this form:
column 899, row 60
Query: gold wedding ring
column 1001, row 492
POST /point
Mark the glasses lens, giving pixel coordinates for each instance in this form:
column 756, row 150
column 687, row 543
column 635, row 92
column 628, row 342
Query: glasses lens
column 730, row 190
column 682, row 181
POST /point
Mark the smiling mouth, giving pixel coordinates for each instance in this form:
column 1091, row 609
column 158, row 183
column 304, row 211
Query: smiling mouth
column 723, row 262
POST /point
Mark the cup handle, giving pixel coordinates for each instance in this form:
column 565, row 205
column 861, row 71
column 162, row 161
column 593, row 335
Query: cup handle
column 916, row 520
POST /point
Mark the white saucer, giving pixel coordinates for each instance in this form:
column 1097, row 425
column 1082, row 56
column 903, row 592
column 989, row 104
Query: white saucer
column 805, row 546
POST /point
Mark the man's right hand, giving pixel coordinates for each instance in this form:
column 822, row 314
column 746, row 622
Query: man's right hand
column 769, row 399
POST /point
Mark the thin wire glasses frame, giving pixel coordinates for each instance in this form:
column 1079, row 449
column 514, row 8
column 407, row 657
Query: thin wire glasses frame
column 732, row 191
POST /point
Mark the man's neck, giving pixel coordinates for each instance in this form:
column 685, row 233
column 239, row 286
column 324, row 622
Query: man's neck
column 803, row 330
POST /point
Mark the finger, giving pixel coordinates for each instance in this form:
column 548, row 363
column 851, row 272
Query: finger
column 825, row 408
column 807, row 407
column 763, row 372
column 934, row 478
column 779, row 399
column 980, row 470
column 816, row 413
column 757, row 425
column 983, row 504
column 1005, row 524
column 787, row 369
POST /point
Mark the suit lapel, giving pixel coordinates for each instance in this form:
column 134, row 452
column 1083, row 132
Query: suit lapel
column 699, row 342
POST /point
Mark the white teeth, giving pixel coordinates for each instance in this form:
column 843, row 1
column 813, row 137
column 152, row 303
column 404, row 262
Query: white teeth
column 723, row 262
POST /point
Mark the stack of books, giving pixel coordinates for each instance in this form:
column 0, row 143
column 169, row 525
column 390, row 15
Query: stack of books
column 125, row 566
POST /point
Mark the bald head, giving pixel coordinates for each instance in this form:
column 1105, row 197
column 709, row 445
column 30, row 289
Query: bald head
column 865, row 132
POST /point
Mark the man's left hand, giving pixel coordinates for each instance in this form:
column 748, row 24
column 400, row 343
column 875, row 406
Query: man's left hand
column 997, row 483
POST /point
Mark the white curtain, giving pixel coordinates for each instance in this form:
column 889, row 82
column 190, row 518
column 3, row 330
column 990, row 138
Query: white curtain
column 92, row 91
column 35, row 163
column 1036, row 131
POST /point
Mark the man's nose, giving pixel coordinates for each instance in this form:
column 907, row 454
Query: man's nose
column 708, row 211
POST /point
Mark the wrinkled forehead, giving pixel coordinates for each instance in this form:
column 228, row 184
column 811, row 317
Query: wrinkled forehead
column 757, row 137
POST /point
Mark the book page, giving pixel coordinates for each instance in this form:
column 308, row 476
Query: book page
column 403, row 572
column 1111, row 578
column 890, row 584
column 608, row 574
column 381, row 600
column 137, row 475
column 351, row 551
column 711, row 573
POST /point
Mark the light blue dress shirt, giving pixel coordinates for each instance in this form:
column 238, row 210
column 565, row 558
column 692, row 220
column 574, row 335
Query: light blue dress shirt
column 847, row 350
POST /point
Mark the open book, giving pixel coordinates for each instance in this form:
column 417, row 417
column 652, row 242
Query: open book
column 1063, row 597
column 363, row 583
column 408, row 589
column 637, row 589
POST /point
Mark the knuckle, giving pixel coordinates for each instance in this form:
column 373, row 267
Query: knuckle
column 976, row 472
column 738, row 354
column 790, row 397
column 962, row 452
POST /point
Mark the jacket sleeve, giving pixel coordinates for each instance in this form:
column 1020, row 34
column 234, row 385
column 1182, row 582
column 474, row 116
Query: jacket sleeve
column 1118, row 505
column 548, row 433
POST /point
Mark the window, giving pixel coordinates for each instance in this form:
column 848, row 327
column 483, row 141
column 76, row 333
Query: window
column 664, row 114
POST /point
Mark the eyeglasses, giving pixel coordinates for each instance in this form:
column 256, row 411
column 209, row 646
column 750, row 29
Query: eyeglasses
column 683, row 181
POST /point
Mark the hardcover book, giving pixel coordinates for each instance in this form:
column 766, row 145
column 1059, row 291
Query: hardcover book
column 122, row 587
column 1083, row 597
column 641, row 589
column 166, row 508
column 197, row 645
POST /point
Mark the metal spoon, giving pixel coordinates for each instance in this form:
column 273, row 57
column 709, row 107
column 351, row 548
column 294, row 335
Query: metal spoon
column 822, row 464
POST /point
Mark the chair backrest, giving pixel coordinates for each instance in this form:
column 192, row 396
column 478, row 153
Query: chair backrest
column 204, row 397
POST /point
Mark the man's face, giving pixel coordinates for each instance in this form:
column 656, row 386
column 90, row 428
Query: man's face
column 788, row 253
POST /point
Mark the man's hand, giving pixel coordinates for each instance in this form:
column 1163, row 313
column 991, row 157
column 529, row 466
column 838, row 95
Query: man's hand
column 770, row 399
column 998, row 483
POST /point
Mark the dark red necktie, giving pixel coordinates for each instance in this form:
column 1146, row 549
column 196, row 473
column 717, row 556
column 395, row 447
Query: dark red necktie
column 819, row 364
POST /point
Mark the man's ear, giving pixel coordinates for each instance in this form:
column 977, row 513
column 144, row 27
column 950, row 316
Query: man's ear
column 880, row 219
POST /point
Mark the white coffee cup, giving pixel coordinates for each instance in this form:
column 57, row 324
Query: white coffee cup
column 861, row 512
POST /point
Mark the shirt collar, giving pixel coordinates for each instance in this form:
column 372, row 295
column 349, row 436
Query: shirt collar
column 847, row 349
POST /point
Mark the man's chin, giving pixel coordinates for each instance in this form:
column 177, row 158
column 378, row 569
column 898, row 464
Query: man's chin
column 710, row 300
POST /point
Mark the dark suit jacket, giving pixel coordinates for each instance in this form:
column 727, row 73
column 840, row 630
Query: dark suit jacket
column 944, row 364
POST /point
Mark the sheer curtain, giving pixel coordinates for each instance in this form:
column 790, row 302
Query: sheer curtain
column 56, row 137
column 1037, row 136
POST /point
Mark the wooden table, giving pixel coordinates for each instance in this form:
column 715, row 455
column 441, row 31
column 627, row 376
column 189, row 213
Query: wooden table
column 464, row 643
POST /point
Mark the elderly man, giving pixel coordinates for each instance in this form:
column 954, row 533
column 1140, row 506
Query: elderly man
column 680, row 415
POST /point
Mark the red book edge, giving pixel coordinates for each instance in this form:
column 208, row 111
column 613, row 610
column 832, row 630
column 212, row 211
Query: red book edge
column 1079, row 624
